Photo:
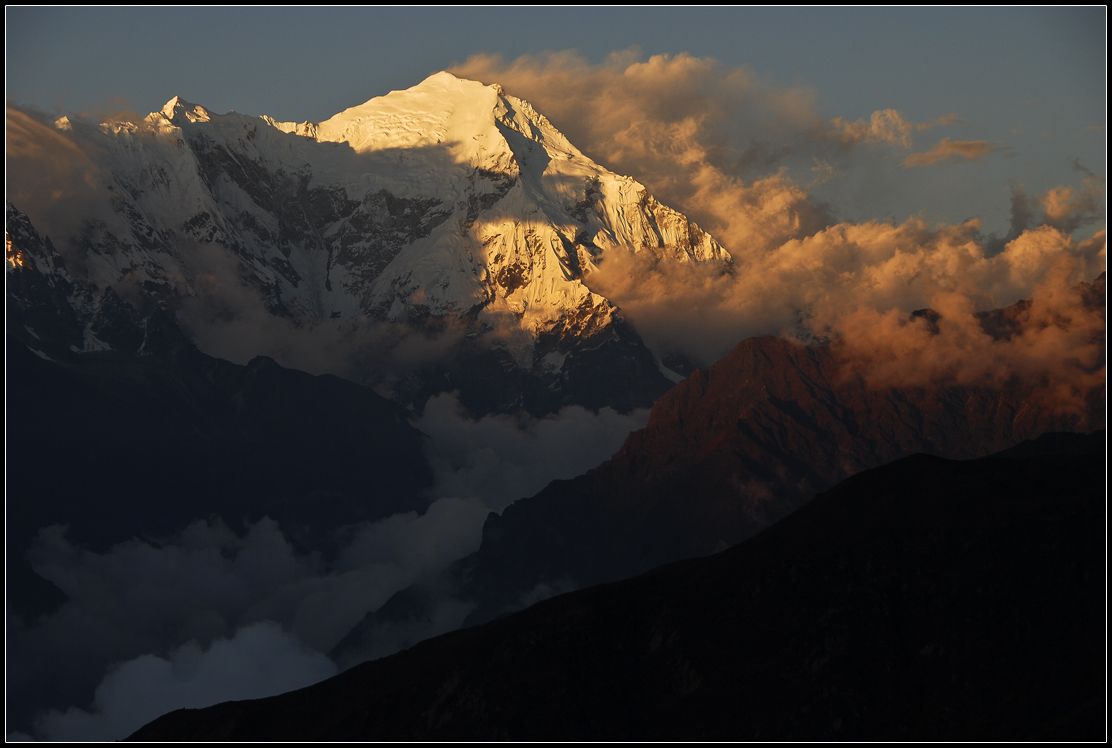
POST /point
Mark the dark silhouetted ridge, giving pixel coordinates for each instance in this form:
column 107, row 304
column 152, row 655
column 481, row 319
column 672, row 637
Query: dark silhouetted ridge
column 927, row 599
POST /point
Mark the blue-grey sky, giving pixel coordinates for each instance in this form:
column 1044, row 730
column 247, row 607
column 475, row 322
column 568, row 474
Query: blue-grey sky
column 1030, row 82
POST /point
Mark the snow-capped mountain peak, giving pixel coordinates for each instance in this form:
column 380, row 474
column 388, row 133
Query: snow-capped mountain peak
column 497, row 209
column 177, row 107
column 442, row 108
column 448, row 199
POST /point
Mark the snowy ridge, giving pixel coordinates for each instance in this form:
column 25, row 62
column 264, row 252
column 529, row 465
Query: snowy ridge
column 43, row 297
column 449, row 198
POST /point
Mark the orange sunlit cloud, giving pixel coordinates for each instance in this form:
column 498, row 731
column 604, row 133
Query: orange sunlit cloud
column 884, row 126
column 952, row 150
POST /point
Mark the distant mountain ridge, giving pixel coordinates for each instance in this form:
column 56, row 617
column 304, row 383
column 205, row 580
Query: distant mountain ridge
column 731, row 450
column 726, row 453
column 448, row 201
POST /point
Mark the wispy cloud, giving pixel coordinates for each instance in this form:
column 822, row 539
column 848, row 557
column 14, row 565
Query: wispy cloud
column 953, row 150
column 946, row 119
column 884, row 126
column 823, row 172
column 53, row 177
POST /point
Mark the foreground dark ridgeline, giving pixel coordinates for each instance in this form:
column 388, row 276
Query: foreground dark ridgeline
column 926, row 599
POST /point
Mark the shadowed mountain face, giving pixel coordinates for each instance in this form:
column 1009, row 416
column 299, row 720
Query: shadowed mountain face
column 118, row 427
column 726, row 453
column 147, row 434
column 926, row 599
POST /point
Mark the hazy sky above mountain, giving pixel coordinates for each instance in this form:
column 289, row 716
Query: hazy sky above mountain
column 1027, row 86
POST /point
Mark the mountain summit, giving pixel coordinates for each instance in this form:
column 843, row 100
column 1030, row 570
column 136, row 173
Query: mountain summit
column 521, row 214
column 448, row 201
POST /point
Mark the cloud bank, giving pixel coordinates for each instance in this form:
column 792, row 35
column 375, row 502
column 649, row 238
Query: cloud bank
column 699, row 135
column 260, row 660
column 501, row 458
column 805, row 287
column 182, row 613
column 139, row 613
column 709, row 140
column 1054, row 343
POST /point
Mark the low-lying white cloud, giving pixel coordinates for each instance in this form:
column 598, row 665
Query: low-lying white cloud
column 501, row 458
column 210, row 595
column 259, row 660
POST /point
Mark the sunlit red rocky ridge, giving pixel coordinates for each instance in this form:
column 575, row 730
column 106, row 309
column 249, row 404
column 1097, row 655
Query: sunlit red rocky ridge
column 735, row 448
